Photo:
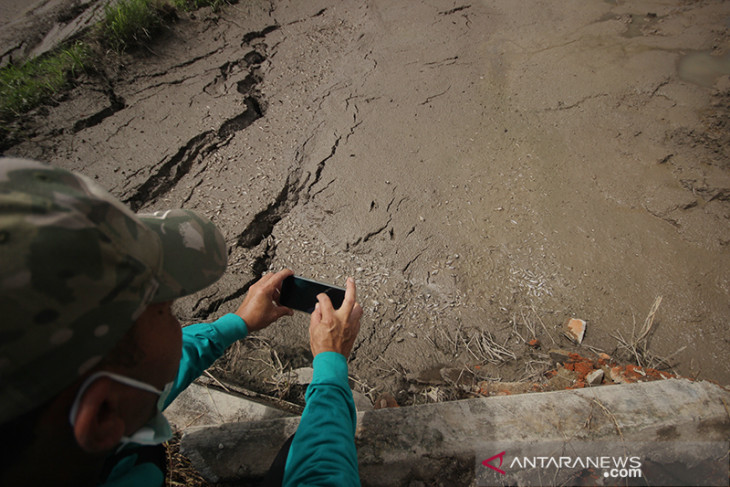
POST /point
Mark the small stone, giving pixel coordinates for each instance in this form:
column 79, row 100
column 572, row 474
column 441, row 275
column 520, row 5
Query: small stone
column 617, row 375
column 575, row 329
column 385, row 400
column 595, row 377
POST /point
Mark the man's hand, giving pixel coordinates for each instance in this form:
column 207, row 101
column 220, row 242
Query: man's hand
column 333, row 330
column 261, row 305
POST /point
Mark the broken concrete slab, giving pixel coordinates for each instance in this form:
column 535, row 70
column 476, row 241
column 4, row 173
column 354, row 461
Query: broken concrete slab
column 393, row 442
column 199, row 405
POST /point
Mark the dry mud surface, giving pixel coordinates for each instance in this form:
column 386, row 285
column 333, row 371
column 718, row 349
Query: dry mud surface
column 485, row 170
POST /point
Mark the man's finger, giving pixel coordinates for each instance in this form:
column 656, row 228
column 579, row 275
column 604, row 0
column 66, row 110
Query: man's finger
column 265, row 278
column 350, row 297
column 325, row 306
column 278, row 278
column 356, row 312
column 283, row 274
column 282, row 311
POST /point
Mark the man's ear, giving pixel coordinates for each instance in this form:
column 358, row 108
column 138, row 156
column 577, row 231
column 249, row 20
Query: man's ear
column 99, row 425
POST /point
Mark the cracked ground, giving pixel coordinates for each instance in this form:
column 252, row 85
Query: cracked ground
column 482, row 170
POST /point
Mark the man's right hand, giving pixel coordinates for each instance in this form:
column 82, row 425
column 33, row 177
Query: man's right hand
column 335, row 330
column 261, row 305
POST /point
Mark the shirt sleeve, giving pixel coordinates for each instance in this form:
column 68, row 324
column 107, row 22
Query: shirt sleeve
column 323, row 450
column 202, row 345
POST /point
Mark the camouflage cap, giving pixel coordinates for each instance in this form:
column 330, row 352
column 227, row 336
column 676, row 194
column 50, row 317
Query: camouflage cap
column 77, row 268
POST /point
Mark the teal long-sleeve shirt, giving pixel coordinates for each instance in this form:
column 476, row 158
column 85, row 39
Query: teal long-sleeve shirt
column 323, row 451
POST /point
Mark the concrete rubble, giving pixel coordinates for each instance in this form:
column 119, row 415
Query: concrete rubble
column 594, row 378
column 575, row 330
column 443, row 440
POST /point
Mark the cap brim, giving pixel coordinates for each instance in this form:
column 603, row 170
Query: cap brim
column 194, row 253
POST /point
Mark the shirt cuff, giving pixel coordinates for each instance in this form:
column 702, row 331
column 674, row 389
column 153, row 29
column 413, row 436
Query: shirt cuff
column 230, row 328
column 330, row 368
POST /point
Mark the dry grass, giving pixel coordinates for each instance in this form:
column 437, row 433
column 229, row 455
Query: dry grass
column 480, row 344
column 529, row 324
column 637, row 346
column 180, row 471
column 484, row 347
column 535, row 370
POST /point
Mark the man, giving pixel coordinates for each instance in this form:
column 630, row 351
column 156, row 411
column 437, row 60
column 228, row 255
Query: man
column 90, row 351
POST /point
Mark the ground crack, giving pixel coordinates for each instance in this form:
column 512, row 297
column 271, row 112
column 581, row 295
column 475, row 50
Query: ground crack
column 252, row 113
column 247, row 38
column 371, row 235
column 263, row 222
column 321, row 164
column 116, row 103
column 454, row 10
column 260, row 265
column 172, row 171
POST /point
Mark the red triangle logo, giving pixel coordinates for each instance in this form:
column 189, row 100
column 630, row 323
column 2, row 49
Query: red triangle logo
column 501, row 459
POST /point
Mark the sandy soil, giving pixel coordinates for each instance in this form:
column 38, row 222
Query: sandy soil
column 485, row 170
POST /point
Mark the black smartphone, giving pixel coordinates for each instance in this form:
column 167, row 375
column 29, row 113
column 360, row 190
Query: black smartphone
column 301, row 294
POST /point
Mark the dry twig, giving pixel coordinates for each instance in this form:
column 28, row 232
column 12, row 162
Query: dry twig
column 638, row 346
column 488, row 349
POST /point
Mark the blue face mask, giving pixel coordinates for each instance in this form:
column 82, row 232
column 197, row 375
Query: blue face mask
column 156, row 431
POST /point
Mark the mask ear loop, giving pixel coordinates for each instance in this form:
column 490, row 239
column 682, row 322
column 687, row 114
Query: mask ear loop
column 119, row 378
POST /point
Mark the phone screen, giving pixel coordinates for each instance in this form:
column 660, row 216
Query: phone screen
column 301, row 294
